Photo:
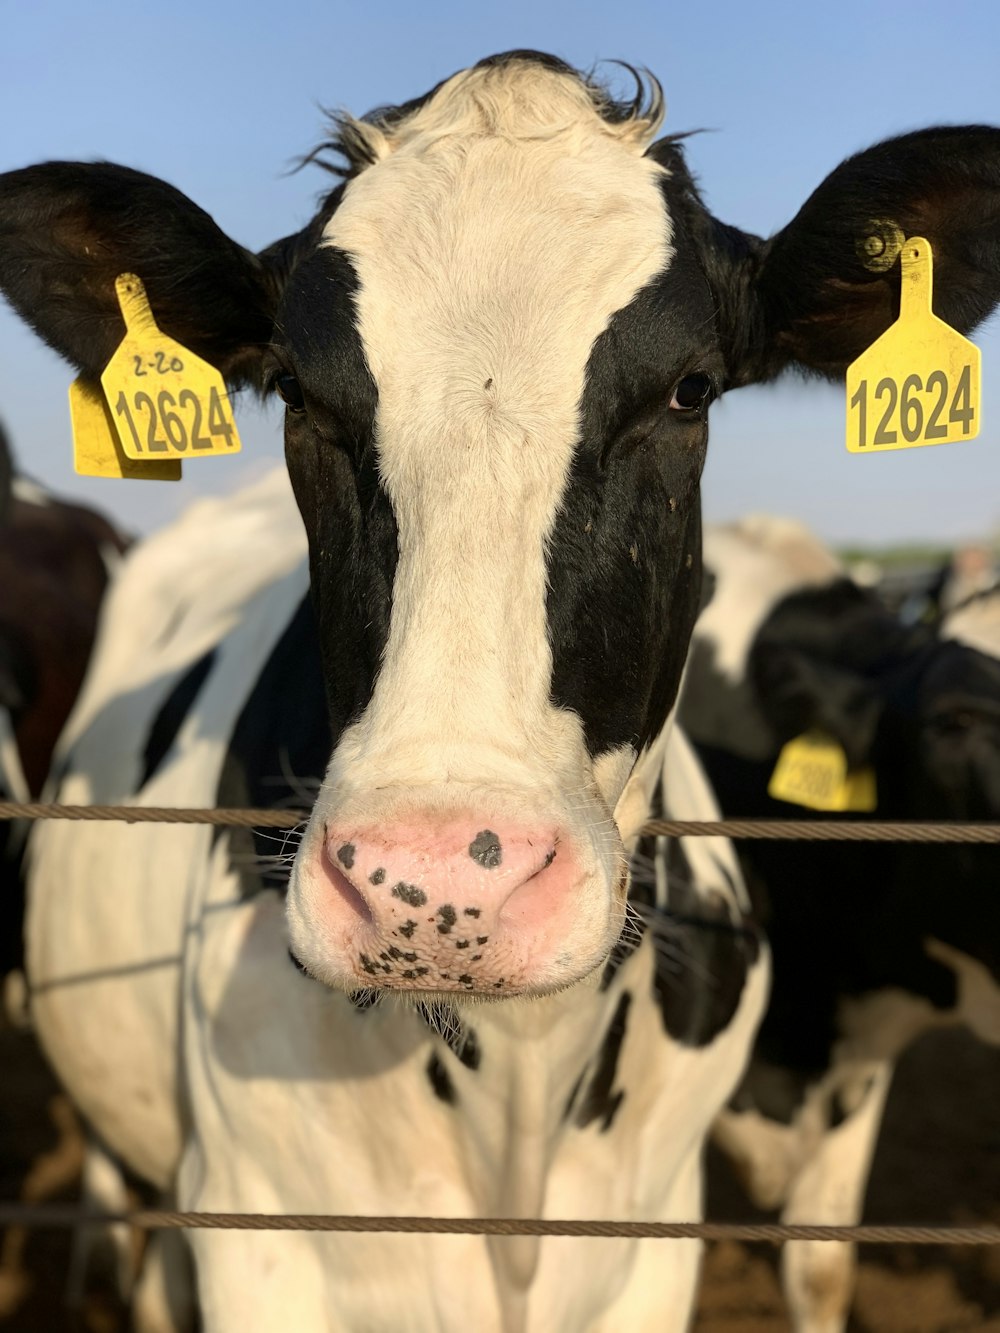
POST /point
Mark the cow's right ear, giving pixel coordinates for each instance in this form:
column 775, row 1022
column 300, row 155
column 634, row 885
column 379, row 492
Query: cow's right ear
column 68, row 229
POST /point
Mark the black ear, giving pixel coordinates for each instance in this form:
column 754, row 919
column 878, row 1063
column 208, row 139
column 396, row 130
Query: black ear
column 816, row 295
column 68, row 229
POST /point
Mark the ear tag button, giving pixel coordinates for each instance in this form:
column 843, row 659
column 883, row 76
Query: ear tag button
column 812, row 771
column 919, row 383
column 97, row 451
column 164, row 402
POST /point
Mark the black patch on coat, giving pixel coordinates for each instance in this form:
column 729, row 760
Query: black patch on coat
column 440, row 1079
column 333, row 464
column 703, row 956
column 601, row 1102
column 171, row 714
column 466, row 1046
column 485, row 850
column 574, row 1092
column 699, row 988
column 619, row 630
column 281, row 739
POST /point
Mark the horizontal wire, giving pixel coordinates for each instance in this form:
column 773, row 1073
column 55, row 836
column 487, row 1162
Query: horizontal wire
column 152, row 1219
column 792, row 830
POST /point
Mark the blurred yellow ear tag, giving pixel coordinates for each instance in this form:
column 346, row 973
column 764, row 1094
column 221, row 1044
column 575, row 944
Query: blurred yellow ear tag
column 164, row 402
column 919, row 383
column 812, row 771
column 97, row 451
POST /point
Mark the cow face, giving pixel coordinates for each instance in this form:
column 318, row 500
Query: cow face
column 497, row 459
column 497, row 343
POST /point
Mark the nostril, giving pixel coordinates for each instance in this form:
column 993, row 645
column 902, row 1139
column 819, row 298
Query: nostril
column 529, row 901
column 540, row 870
column 344, row 887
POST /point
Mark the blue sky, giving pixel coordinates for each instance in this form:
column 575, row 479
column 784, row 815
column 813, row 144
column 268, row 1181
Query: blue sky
column 219, row 97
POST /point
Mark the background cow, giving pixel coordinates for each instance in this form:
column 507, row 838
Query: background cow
column 874, row 944
column 497, row 343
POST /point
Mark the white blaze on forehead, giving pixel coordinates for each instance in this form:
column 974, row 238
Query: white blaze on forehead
column 502, row 228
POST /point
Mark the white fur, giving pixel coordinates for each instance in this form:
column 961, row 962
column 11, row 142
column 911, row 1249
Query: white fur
column 23, row 488
column 976, row 624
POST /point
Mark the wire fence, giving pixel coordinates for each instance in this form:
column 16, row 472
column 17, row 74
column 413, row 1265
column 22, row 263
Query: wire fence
column 791, row 830
column 830, row 830
column 153, row 1219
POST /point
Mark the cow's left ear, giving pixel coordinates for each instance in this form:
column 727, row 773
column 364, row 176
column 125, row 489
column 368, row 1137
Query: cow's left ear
column 814, row 296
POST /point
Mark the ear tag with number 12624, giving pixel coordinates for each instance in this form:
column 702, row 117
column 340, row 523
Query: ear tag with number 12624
column 919, row 383
column 165, row 402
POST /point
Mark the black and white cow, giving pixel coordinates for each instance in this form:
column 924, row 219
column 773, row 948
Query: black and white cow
column 873, row 944
column 497, row 343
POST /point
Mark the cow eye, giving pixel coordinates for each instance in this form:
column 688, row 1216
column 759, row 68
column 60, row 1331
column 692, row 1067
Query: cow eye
column 692, row 394
column 290, row 392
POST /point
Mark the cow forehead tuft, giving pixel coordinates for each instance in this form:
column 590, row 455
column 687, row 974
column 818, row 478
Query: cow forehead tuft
column 520, row 95
column 472, row 239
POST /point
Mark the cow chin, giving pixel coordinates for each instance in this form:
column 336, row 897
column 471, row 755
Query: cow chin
column 451, row 902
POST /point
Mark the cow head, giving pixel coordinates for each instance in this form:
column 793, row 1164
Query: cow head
column 497, row 343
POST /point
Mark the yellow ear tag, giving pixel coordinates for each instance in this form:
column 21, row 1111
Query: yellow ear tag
column 919, row 383
column 164, row 401
column 812, row 771
column 97, row 451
